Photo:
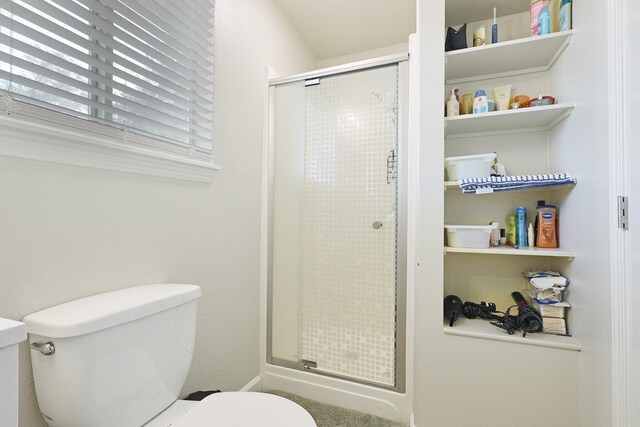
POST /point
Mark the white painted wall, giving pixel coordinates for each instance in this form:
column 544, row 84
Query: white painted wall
column 361, row 56
column 69, row 232
column 580, row 144
column 459, row 380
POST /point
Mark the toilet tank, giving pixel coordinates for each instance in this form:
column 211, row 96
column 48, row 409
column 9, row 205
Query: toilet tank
column 120, row 357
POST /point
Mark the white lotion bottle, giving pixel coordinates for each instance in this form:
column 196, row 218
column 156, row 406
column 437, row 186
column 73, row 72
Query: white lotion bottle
column 453, row 106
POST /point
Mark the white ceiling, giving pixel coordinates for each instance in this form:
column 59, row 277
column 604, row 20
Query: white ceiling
column 334, row 28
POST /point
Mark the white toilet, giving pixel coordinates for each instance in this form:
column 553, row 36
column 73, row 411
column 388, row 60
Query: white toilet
column 120, row 359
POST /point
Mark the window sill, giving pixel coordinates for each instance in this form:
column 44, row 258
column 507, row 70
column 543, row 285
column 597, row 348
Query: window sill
column 29, row 139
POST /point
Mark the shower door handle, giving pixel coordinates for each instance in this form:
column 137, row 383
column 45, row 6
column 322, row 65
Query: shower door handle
column 376, row 225
column 391, row 166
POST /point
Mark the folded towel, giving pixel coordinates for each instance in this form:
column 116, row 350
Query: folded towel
column 492, row 184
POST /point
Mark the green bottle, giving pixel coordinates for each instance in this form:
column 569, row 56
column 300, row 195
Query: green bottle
column 511, row 230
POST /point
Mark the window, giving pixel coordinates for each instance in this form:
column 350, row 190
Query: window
column 138, row 72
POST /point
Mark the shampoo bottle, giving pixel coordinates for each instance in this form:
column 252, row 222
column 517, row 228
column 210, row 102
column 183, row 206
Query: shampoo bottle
column 453, row 106
column 536, row 7
column 565, row 15
column 544, row 21
column 554, row 11
column 521, row 226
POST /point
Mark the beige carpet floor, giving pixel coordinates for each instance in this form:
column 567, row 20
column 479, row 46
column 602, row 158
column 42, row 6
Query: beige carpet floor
column 333, row 416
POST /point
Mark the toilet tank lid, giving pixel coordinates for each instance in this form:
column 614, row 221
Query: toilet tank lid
column 109, row 309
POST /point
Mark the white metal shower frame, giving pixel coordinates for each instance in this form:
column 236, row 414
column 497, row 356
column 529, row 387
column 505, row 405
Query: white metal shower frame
column 390, row 403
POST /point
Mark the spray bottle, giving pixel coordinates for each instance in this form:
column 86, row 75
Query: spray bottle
column 565, row 15
column 521, row 226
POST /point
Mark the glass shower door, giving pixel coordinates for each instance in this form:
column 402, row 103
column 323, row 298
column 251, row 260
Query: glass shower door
column 335, row 225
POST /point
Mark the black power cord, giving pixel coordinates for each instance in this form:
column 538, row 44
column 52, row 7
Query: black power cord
column 472, row 310
column 529, row 319
column 508, row 322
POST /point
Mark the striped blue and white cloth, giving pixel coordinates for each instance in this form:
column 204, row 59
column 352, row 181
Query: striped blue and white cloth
column 491, row 184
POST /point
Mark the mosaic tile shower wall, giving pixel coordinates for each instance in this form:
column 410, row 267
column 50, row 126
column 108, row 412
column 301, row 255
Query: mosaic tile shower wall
column 348, row 294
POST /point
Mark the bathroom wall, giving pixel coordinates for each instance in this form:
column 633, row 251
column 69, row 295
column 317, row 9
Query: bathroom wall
column 68, row 232
column 361, row 56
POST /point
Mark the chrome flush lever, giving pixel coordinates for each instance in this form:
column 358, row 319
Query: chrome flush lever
column 46, row 348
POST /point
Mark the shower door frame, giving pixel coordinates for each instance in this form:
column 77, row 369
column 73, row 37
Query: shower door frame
column 402, row 197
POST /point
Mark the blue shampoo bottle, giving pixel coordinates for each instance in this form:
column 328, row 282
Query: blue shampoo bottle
column 544, row 21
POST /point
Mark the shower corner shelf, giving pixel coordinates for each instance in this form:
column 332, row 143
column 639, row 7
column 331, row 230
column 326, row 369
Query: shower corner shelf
column 477, row 328
column 508, row 250
column 521, row 56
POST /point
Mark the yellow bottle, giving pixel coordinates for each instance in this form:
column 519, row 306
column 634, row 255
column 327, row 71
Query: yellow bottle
column 554, row 11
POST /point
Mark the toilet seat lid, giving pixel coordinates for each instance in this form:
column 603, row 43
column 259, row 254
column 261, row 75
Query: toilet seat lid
column 246, row 409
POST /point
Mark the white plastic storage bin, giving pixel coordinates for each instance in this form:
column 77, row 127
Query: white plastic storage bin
column 469, row 236
column 476, row 166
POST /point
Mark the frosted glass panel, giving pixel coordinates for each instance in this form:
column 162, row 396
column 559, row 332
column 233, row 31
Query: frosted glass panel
column 334, row 225
column 348, row 266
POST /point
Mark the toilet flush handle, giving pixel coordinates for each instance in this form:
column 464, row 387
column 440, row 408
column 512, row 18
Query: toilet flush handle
column 46, row 348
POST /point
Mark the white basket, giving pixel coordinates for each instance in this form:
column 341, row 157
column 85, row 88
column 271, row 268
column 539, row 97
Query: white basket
column 475, row 166
column 469, row 236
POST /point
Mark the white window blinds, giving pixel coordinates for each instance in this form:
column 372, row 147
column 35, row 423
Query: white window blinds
column 140, row 70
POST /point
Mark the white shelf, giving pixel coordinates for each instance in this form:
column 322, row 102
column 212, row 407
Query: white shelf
column 453, row 186
column 522, row 56
column 508, row 250
column 478, row 328
column 532, row 119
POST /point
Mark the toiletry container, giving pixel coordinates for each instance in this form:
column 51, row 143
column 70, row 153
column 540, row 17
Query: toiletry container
column 511, row 230
column 474, row 166
column 521, row 226
column 530, row 236
column 536, row 6
column 480, row 102
column 479, row 36
column 547, row 236
column 453, row 106
column 467, row 104
column 544, row 21
column 554, row 12
column 495, row 233
column 469, row 236
column 565, row 15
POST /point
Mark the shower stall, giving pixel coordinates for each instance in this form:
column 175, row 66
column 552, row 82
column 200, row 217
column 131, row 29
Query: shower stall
column 337, row 225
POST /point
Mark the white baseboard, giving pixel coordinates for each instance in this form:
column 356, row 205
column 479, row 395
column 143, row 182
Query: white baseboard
column 253, row 385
